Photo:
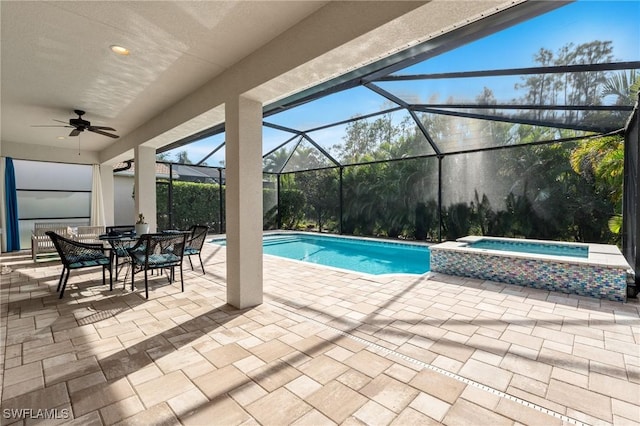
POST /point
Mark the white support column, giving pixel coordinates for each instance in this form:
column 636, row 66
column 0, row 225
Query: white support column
column 108, row 195
column 145, row 184
column 243, row 125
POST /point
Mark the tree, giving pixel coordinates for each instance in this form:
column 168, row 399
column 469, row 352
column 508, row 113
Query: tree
column 601, row 163
column 164, row 156
column 182, row 157
column 363, row 137
column 623, row 86
column 321, row 192
column 551, row 191
column 564, row 199
column 276, row 160
column 580, row 88
column 292, row 203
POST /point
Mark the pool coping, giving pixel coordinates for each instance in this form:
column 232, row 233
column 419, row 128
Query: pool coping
column 352, row 237
column 348, row 237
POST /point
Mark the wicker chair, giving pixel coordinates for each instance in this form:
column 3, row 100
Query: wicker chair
column 119, row 246
column 157, row 251
column 197, row 236
column 77, row 255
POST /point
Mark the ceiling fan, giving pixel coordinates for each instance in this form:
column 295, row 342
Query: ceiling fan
column 79, row 125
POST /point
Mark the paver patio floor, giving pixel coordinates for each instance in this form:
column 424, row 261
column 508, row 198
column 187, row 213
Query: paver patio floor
column 326, row 347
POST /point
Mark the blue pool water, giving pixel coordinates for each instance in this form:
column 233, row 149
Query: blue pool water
column 372, row 257
column 533, row 247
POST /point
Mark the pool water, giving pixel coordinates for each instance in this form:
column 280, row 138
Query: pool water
column 372, row 257
column 533, row 247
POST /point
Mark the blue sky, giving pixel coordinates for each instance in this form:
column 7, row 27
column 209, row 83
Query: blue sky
column 578, row 22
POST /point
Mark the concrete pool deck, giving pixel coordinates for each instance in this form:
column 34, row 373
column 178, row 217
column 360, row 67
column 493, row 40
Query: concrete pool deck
column 325, row 347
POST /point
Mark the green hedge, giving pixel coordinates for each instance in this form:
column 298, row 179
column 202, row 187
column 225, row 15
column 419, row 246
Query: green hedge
column 199, row 204
column 193, row 204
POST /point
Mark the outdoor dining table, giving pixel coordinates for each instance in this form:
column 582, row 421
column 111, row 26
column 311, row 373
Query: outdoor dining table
column 120, row 242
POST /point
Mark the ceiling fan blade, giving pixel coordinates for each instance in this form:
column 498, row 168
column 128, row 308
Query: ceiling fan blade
column 48, row 125
column 100, row 132
column 79, row 125
column 92, row 128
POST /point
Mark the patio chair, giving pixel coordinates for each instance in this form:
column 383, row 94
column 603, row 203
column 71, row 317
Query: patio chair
column 78, row 255
column 157, row 252
column 198, row 233
column 119, row 246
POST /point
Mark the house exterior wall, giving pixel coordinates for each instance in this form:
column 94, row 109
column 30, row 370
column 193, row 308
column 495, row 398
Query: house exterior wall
column 124, row 209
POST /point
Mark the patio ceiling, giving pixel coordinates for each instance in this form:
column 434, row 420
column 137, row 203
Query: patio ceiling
column 186, row 57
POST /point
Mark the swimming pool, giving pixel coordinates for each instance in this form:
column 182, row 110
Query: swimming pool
column 356, row 254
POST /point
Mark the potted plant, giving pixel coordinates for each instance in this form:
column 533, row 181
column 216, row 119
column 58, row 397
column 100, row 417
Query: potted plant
column 142, row 227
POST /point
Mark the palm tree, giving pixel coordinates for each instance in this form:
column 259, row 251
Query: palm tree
column 624, row 86
column 602, row 161
column 182, row 157
column 276, row 160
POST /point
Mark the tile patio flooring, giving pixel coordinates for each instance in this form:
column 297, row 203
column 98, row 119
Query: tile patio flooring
column 326, row 347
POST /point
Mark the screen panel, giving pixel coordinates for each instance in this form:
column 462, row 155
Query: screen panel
column 42, row 175
column 52, row 205
column 453, row 134
column 332, row 108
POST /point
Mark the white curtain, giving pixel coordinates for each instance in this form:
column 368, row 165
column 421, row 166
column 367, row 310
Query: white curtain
column 97, row 205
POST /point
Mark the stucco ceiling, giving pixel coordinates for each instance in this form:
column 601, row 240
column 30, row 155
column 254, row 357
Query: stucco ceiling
column 56, row 58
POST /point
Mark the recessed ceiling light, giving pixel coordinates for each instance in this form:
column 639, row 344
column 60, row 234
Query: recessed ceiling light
column 60, row 137
column 119, row 50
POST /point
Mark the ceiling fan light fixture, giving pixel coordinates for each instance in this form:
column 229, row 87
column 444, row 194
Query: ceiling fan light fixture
column 119, row 50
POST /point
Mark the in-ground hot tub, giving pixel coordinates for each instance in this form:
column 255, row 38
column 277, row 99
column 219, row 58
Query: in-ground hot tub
column 595, row 270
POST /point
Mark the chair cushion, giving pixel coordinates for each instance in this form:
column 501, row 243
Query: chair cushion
column 157, row 260
column 188, row 251
column 79, row 262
